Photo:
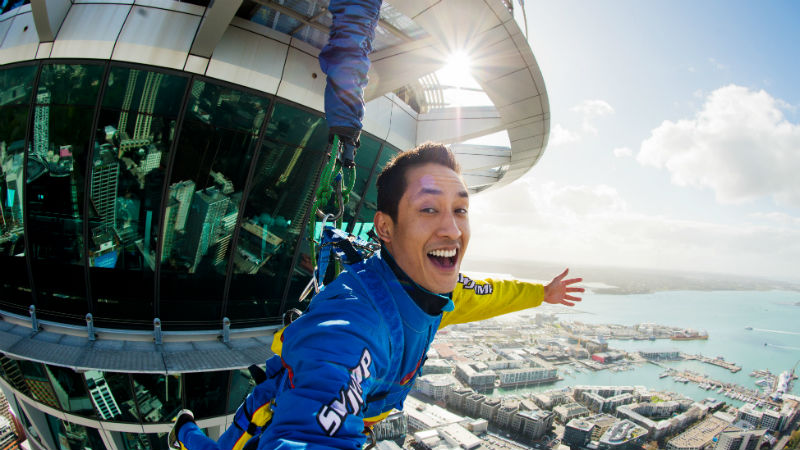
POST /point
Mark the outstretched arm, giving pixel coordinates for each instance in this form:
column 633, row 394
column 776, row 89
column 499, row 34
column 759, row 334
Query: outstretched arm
column 483, row 299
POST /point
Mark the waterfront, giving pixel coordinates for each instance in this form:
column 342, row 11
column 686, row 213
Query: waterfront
column 773, row 315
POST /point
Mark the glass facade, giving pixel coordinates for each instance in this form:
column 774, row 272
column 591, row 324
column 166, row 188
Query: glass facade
column 16, row 89
column 71, row 436
column 190, row 193
column 129, row 398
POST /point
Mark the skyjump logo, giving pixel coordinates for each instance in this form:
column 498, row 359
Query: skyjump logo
column 331, row 416
column 480, row 289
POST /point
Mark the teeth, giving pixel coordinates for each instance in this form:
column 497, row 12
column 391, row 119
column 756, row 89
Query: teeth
column 443, row 253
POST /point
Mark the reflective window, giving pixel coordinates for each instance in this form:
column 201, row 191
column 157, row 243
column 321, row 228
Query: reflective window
column 142, row 441
column 35, row 376
column 16, row 87
column 60, row 133
column 241, row 385
column 71, row 436
column 370, row 203
column 13, row 374
column 111, row 395
column 8, row 5
column 70, row 390
column 216, row 146
column 365, row 159
column 134, row 133
column 277, row 202
column 206, row 392
column 158, row 397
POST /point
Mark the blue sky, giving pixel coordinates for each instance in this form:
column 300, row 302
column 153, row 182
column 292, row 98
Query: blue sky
column 675, row 140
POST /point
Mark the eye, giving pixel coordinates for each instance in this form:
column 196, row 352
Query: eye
column 461, row 211
column 428, row 210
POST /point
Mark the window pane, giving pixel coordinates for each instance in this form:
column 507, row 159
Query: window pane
column 370, row 205
column 35, row 376
column 213, row 158
column 278, row 200
column 111, row 395
column 16, row 87
column 241, row 385
column 206, row 393
column 70, row 436
column 61, row 129
column 13, row 375
column 365, row 158
column 131, row 150
column 8, row 5
column 142, row 441
column 158, row 396
column 71, row 391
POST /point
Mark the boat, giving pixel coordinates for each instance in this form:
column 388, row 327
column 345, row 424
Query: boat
column 689, row 335
column 748, row 328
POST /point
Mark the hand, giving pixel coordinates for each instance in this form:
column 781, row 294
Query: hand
column 557, row 292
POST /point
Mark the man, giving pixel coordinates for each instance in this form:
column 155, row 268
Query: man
column 354, row 355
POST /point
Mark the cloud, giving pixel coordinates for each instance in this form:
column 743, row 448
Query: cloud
column 560, row 136
column 622, row 152
column 594, row 224
column 591, row 109
column 740, row 144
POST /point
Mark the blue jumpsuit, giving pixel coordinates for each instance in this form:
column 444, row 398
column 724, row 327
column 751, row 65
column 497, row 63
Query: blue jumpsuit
column 351, row 358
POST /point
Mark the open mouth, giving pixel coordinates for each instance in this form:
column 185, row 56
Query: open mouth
column 445, row 259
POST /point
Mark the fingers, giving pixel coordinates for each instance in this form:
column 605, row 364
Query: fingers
column 572, row 280
column 575, row 289
column 563, row 274
column 566, row 303
column 572, row 297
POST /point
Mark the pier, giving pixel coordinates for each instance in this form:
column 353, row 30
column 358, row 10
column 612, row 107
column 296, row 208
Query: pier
column 719, row 362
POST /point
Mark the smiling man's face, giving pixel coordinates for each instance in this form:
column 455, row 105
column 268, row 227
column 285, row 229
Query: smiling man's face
column 431, row 232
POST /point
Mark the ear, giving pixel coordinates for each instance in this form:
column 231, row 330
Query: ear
column 384, row 226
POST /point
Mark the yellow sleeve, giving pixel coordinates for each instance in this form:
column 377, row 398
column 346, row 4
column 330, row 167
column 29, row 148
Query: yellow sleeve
column 482, row 299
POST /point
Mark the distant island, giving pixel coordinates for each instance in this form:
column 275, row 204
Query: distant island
column 625, row 281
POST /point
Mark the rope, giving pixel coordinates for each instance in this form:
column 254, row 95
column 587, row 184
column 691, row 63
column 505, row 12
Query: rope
column 338, row 180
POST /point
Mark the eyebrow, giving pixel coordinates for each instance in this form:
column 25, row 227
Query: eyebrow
column 433, row 191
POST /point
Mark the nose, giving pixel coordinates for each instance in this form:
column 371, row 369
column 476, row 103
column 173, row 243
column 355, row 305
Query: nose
column 450, row 226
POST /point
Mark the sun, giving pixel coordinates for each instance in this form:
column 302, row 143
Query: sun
column 456, row 71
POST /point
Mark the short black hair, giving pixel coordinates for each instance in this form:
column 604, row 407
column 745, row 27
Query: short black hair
column 392, row 179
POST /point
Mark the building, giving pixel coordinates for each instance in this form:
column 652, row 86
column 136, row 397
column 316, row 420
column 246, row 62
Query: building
column 569, row 411
column 422, row 416
column 551, row 399
column 455, row 396
column 473, row 404
column 740, row 440
column 660, row 421
column 436, row 366
column 762, row 417
column 177, row 90
column 526, row 376
column 659, row 355
column 435, row 386
column 480, row 380
column 623, row 435
column 394, row 426
column 578, row 433
column 489, row 409
column 531, row 425
column 700, row 436
column 505, row 414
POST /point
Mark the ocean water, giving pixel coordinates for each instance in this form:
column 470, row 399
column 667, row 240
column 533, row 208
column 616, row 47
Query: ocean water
column 773, row 343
